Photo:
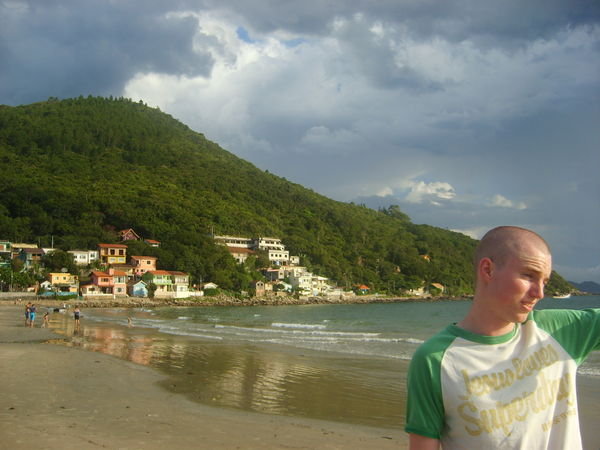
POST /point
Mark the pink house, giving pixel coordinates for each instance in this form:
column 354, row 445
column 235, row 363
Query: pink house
column 114, row 282
column 143, row 264
column 119, row 281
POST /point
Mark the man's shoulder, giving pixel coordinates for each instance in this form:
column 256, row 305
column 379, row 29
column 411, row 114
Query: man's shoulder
column 436, row 345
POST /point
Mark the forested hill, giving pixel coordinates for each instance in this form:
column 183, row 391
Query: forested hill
column 75, row 171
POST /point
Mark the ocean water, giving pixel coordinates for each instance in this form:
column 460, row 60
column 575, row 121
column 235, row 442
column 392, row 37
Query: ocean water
column 333, row 362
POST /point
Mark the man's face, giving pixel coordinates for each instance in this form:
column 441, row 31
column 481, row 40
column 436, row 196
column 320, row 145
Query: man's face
column 519, row 283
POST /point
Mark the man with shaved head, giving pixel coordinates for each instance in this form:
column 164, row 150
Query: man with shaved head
column 504, row 376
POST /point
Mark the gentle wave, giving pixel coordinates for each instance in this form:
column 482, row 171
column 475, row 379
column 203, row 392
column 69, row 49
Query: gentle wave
column 291, row 331
column 298, row 325
column 187, row 333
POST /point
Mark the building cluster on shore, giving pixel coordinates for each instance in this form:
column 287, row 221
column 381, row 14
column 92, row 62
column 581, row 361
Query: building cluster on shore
column 113, row 273
column 285, row 274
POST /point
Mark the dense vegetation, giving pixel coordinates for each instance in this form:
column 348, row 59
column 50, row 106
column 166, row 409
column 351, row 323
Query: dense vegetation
column 76, row 171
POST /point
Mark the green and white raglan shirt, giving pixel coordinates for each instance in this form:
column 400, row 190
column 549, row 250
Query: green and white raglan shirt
column 514, row 391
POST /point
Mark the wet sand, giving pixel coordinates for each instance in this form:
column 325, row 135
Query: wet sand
column 59, row 397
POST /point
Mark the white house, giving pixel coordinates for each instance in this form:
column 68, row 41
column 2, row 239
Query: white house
column 302, row 282
column 279, row 257
column 84, row 257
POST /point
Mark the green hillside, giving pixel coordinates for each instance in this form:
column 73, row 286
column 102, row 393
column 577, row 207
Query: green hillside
column 78, row 170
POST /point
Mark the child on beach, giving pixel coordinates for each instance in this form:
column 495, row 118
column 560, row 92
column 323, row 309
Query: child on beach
column 27, row 313
column 46, row 320
column 31, row 315
column 76, row 315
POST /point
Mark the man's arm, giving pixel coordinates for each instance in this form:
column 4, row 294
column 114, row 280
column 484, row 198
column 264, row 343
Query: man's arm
column 418, row 442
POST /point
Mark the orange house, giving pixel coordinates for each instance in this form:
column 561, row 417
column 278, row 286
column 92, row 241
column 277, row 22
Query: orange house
column 112, row 253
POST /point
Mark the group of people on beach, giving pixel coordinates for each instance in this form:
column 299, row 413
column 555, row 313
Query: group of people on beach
column 31, row 311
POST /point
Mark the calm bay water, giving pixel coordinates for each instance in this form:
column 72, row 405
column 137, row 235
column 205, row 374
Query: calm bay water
column 334, row 362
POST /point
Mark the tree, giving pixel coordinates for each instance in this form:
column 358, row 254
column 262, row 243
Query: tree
column 151, row 289
column 59, row 261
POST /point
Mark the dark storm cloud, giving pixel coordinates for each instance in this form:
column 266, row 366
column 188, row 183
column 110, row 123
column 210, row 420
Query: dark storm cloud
column 59, row 48
column 513, row 21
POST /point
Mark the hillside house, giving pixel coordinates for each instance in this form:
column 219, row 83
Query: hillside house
column 261, row 288
column 320, row 285
column 18, row 246
column 84, row 257
column 301, row 282
column 31, row 257
column 234, row 241
column 279, row 257
column 152, row 243
column 143, row 264
column 162, row 280
column 264, row 243
column 240, row 254
column 362, row 289
column 112, row 253
column 137, row 288
column 127, row 269
column 63, row 282
column 277, row 274
column 129, row 235
column 110, row 282
column 181, row 284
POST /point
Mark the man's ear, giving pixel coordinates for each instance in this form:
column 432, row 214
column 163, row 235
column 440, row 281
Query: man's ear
column 485, row 269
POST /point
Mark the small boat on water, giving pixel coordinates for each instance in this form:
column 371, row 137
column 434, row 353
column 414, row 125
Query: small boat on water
column 562, row 296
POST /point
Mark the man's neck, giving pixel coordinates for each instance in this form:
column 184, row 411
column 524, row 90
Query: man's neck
column 481, row 322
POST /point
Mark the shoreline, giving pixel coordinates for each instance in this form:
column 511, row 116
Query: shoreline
column 60, row 397
column 17, row 299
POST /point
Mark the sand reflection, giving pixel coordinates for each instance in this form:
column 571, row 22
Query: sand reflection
column 275, row 380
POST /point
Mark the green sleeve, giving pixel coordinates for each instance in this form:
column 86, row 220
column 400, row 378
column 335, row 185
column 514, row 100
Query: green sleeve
column 425, row 407
column 578, row 331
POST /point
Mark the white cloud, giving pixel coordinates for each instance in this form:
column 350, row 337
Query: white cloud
column 385, row 192
column 432, row 192
column 502, row 202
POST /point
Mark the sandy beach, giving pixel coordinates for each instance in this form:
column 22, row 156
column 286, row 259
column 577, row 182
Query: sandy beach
column 58, row 397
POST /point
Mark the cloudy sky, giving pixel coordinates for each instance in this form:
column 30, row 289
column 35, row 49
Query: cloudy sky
column 466, row 113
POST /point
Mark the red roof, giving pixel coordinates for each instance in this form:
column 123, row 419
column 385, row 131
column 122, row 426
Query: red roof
column 240, row 250
column 100, row 274
column 159, row 272
column 143, row 257
column 175, row 272
column 112, row 246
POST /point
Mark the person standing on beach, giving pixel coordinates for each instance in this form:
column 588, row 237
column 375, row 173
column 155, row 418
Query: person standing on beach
column 27, row 306
column 76, row 315
column 46, row 322
column 503, row 377
column 32, row 311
